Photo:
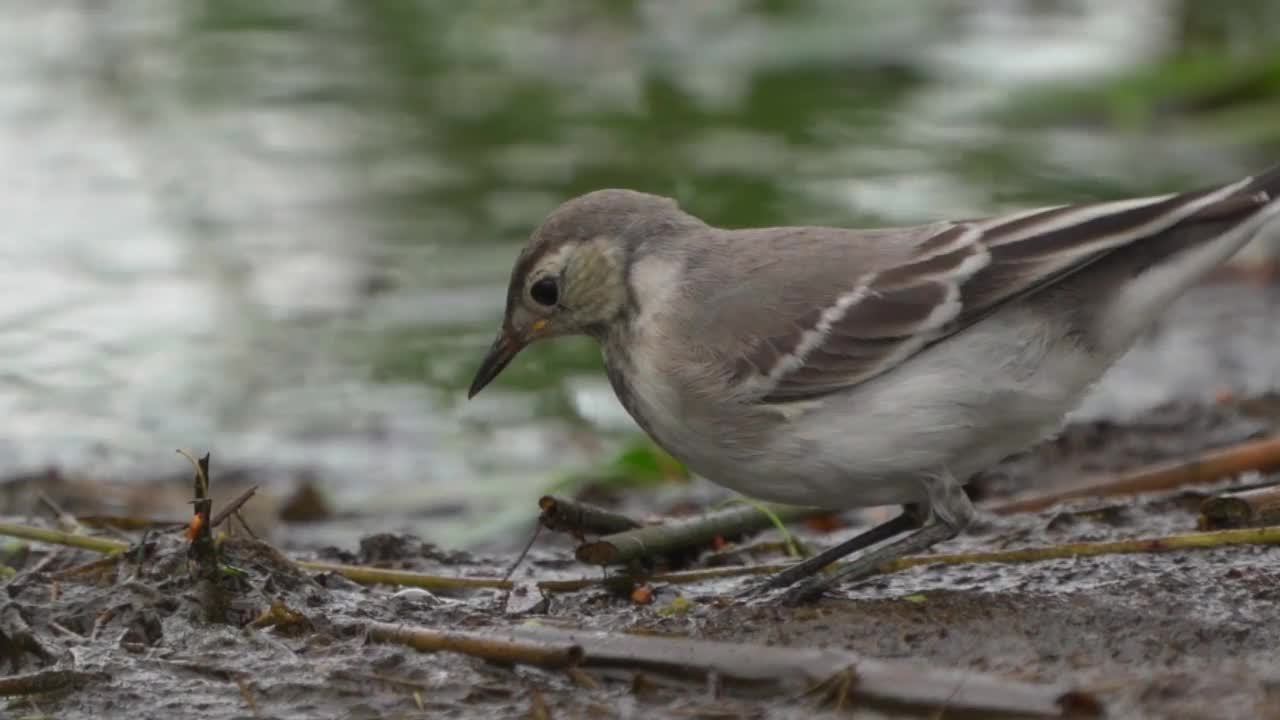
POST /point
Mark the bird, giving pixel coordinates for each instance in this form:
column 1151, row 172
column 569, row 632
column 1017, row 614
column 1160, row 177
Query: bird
column 842, row 368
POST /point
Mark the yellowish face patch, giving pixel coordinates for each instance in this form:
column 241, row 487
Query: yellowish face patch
column 538, row 325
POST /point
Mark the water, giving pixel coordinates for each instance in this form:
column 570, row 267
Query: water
column 281, row 231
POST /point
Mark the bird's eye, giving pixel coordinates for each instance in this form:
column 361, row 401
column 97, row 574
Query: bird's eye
column 544, row 292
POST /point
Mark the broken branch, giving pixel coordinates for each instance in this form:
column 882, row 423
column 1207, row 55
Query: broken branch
column 1247, row 508
column 656, row 540
column 578, row 518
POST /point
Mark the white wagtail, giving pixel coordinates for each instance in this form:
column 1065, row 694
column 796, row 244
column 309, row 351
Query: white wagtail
column 851, row 368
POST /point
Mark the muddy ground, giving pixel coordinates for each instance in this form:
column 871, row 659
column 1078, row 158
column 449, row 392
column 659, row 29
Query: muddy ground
column 1188, row 634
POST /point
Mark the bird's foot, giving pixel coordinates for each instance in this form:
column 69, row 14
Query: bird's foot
column 812, row 566
column 949, row 512
column 868, row 564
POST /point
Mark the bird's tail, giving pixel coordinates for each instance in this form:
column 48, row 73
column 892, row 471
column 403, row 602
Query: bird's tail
column 1164, row 265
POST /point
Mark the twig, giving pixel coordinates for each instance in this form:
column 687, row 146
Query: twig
column 244, row 524
column 656, row 540
column 95, row 566
column 201, row 467
column 58, row 537
column 66, row 630
column 379, row 576
column 521, row 651
column 365, row 678
column 63, row 517
column 233, row 506
column 1246, row 508
column 533, row 537
column 129, row 523
column 868, row 680
column 1260, row 455
column 43, row 563
column 1183, row 541
column 577, row 518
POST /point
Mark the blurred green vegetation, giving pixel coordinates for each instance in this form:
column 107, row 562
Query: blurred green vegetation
column 1221, row 79
column 1237, row 98
column 639, row 464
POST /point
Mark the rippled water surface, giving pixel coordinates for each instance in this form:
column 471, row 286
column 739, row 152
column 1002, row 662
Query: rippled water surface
column 281, row 231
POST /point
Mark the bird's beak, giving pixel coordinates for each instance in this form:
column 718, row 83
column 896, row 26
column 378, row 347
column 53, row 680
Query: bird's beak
column 504, row 348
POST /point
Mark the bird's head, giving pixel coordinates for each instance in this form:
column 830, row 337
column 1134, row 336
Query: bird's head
column 571, row 277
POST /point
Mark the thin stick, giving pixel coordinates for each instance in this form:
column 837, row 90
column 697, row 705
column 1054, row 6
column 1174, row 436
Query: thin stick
column 244, row 524
column 233, row 506
column 1260, row 455
column 521, row 651
column 201, row 468
column 62, row 516
column 130, row 523
column 379, row 576
column 657, row 540
column 537, row 529
column 58, row 537
column 1183, row 541
column 361, row 677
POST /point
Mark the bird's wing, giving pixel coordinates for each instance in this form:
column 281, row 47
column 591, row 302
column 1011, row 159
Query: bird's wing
column 854, row 305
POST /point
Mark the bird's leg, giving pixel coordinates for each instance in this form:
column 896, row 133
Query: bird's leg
column 949, row 513
column 910, row 518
